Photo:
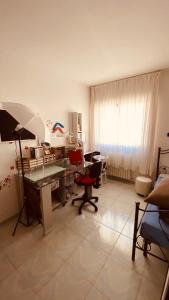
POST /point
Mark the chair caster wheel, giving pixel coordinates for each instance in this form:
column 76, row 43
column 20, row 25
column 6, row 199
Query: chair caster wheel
column 96, row 209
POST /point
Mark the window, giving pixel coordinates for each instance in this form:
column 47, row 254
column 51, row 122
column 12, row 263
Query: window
column 123, row 120
column 119, row 126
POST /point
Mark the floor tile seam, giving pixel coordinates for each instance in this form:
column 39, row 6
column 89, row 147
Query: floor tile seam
column 77, row 233
column 132, row 263
column 105, row 251
column 119, row 213
column 146, row 277
column 66, row 262
column 67, row 223
column 72, row 252
column 106, row 260
column 94, row 247
column 125, row 235
column 124, row 226
column 20, row 276
column 126, row 268
column 68, row 228
column 7, row 258
column 60, row 267
column 139, row 288
column 101, row 292
column 13, row 264
column 37, row 290
column 2, row 247
column 59, row 229
column 72, row 230
column 106, row 226
column 6, row 277
column 95, row 220
column 17, row 267
column 37, row 295
column 85, row 297
column 113, row 231
column 116, row 241
column 98, row 273
column 110, row 227
column 10, row 242
column 126, row 215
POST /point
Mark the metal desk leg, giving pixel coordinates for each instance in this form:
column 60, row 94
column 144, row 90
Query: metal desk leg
column 46, row 206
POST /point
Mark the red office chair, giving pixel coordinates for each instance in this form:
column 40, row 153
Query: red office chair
column 76, row 159
column 89, row 180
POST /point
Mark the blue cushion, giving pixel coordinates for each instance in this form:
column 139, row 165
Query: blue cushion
column 160, row 178
column 151, row 229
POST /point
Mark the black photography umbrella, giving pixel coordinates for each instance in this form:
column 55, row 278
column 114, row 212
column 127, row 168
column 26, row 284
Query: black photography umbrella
column 8, row 125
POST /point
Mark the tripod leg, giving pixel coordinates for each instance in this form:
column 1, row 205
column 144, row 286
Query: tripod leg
column 27, row 213
column 19, row 217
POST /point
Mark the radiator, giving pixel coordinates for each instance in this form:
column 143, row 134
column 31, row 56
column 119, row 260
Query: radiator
column 119, row 172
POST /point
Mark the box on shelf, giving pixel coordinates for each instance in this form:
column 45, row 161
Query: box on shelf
column 36, row 152
column 58, row 151
column 49, row 158
column 28, row 164
column 40, row 161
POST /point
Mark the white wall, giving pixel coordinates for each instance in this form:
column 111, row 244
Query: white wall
column 46, row 93
column 163, row 111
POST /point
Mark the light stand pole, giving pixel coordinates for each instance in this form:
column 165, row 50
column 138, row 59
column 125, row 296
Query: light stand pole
column 18, row 137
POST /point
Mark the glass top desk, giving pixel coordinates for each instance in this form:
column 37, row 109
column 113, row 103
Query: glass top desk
column 44, row 173
column 59, row 168
column 43, row 178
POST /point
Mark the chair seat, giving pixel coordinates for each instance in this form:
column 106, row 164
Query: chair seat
column 86, row 180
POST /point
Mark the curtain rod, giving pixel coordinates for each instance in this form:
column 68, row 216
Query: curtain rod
column 107, row 82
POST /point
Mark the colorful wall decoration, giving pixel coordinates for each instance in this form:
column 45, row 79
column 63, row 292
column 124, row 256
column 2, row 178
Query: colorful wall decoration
column 5, row 182
column 56, row 128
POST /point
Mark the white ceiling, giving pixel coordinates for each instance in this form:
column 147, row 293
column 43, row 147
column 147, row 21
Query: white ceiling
column 90, row 41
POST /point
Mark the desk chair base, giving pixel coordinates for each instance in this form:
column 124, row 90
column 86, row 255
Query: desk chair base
column 86, row 198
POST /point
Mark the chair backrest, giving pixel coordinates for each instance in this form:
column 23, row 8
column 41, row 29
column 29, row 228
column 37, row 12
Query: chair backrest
column 95, row 172
column 75, row 157
column 89, row 156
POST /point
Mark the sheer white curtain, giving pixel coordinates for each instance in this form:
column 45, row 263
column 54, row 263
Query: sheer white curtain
column 123, row 120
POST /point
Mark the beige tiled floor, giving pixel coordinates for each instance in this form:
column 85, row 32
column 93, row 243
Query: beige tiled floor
column 86, row 257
